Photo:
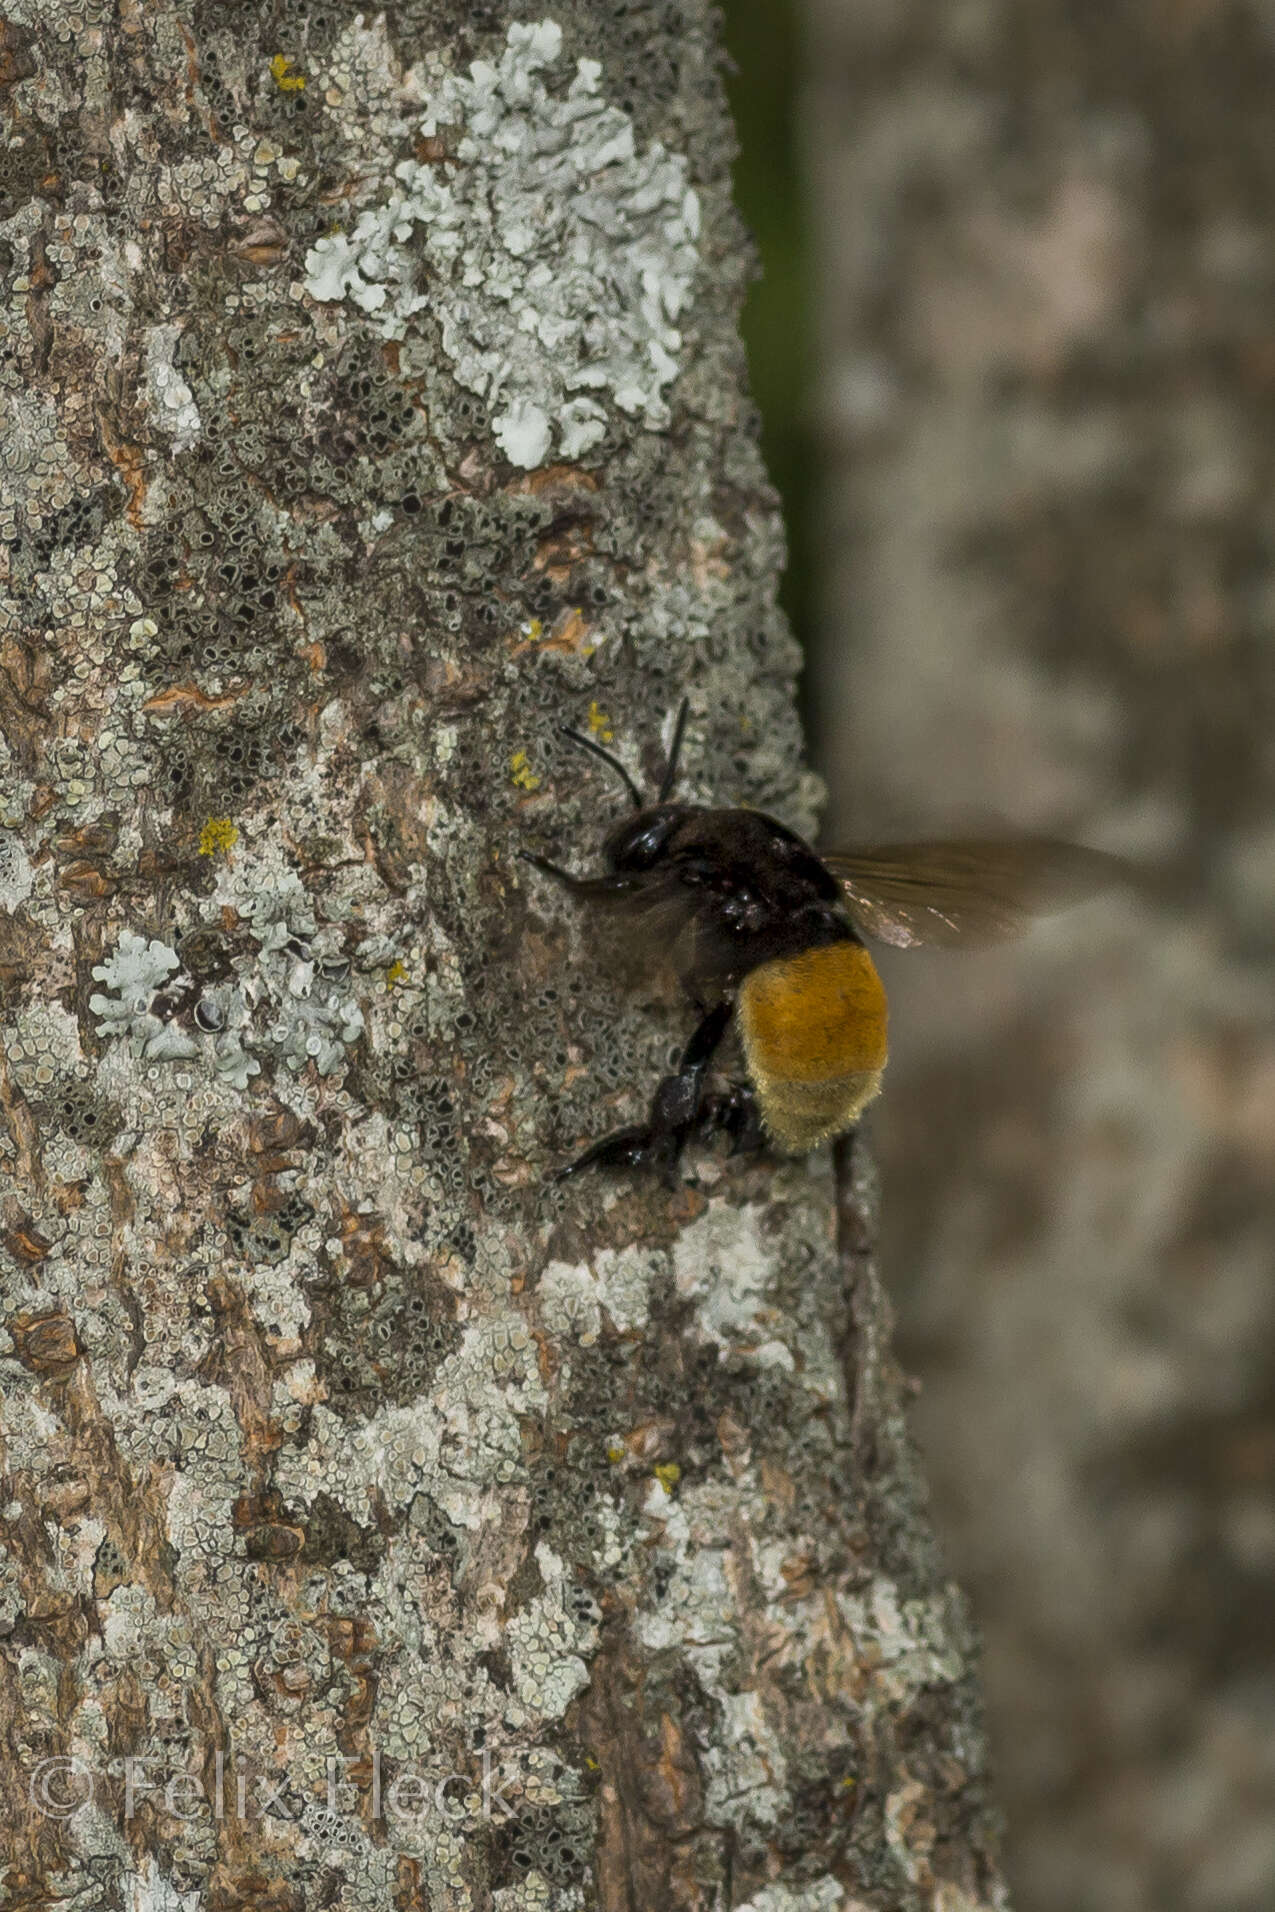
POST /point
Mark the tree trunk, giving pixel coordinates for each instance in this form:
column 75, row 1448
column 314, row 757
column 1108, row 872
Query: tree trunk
column 385, row 1524
column 1047, row 234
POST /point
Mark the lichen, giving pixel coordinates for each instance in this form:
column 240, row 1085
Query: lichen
column 554, row 256
column 823, row 1895
column 721, row 1263
column 547, row 1639
column 569, row 1302
column 283, row 76
column 134, row 975
column 172, row 402
column 290, row 1000
column 218, row 837
column 16, row 875
column 625, row 1277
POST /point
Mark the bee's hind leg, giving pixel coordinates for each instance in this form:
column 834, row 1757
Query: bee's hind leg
column 675, row 1111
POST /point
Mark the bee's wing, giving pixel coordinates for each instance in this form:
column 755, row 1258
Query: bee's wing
column 646, row 931
column 968, row 891
column 658, row 929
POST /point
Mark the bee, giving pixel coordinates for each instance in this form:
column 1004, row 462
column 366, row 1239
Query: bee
column 764, row 932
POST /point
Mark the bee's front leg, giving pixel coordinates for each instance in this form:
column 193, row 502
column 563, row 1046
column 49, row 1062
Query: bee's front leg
column 604, row 888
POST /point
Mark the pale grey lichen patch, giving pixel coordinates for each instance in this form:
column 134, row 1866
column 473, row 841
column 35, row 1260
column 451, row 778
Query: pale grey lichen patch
column 698, row 1617
column 568, row 1300
column 12, row 1593
column 134, row 975
column 35, row 451
column 42, row 1040
column 128, row 1616
column 912, row 1643
column 746, row 1764
column 361, row 74
column 434, row 1682
column 151, row 1890
column 454, row 1445
column 534, row 1894
column 172, row 403
column 16, row 875
column 824, row 1895
column 547, row 1638
column 696, row 1614
column 555, row 256
column 208, row 1443
column 722, row 1264
column 726, row 1584
column 624, row 1277
column 278, row 1302
column 290, row 999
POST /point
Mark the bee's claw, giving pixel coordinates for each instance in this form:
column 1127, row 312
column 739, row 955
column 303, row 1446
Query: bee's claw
column 626, row 1148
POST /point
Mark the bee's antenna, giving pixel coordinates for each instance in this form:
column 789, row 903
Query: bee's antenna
column 675, row 751
column 589, row 743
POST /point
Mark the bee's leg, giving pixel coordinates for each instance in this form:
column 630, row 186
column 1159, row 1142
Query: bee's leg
column 586, row 886
column 702, row 1046
column 546, row 868
column 734, row 1113
column 625, row 1148
column 675, row 1110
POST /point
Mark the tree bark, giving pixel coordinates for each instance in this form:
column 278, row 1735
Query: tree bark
column 1045, row 240
column 385, row 1524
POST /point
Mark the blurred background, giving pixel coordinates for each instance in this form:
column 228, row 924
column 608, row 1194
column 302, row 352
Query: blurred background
column 1014, row 348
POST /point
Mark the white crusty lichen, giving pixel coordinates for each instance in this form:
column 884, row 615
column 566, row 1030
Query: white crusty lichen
column 289, row 998
column 16, row 876
column 546, row 1639
column 535, row 1894
column 624, row 1277
column 172, row 403
column 568, row 1300
column 721, row 1263
column 455, row 1443
column 554, row 255
column 824, row 1895
column 746, row 1764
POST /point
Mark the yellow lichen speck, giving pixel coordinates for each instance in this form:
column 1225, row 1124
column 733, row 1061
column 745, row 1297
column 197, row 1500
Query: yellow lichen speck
column 522, row 773
column 285, row 81
column 396, row 973
column 218, row 837
column 668, row 1474
column 600, row 723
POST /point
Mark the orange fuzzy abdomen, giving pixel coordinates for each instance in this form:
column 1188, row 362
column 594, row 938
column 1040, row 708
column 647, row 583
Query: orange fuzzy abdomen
column 813, row 1028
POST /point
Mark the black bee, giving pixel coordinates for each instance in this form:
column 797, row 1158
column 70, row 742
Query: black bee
column 760, row 928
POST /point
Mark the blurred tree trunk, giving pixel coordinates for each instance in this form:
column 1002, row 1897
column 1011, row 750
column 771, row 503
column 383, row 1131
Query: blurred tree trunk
column 385, row 1525
column 1045, row 244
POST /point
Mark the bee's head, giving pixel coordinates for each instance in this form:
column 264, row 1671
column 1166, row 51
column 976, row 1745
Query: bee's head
column 637, row 842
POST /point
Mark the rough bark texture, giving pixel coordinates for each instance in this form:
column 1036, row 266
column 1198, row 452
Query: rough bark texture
column 1046, row 241
column 384, row 1525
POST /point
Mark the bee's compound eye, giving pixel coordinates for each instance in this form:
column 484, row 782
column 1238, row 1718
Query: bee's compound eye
column 640, row 841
